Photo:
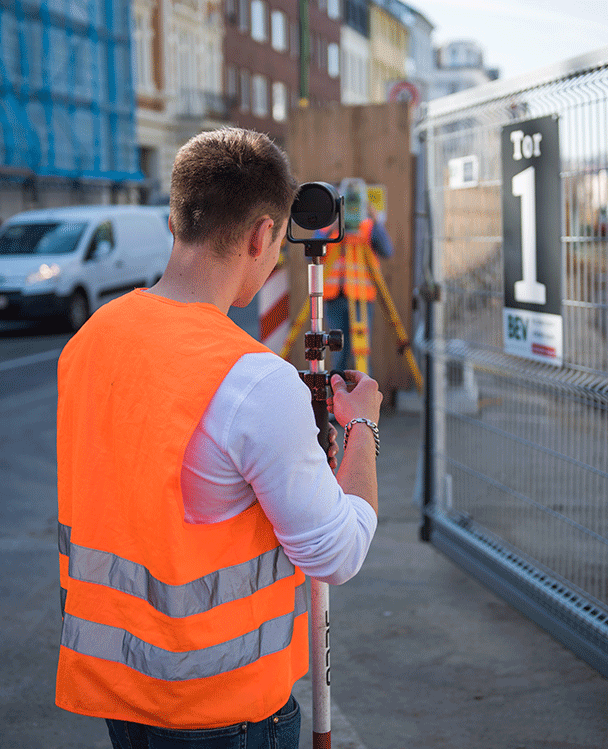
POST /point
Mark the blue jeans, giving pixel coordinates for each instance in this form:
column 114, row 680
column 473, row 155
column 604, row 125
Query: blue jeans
column 280, row 731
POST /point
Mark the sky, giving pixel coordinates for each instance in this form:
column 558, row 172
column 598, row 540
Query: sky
column 520, row 36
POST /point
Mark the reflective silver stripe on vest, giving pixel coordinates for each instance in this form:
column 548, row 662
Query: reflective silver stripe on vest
column 63, row 538
column 203, row 594
column 120, row 646
column 195, row 597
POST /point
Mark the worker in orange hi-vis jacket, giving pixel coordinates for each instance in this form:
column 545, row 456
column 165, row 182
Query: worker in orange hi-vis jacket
column 193, row 493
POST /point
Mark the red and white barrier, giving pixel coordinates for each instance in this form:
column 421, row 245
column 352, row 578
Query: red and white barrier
column 273, row 310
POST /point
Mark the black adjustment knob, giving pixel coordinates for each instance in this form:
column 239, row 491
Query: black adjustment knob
column 335, row 340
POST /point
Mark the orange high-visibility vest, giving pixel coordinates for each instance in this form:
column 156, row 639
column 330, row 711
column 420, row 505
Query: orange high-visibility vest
column 165, row 623
column 348, row 272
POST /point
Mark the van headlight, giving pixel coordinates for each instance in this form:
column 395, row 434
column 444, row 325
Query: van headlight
column 44, row 273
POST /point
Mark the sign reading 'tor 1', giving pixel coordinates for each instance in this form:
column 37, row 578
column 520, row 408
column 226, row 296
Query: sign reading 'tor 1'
column 532, row 320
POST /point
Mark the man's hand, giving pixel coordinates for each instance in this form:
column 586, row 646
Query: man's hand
column 357, row 396
column 332, row 451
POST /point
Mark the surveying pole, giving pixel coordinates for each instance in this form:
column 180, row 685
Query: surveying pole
column 317, row 206
column 316, row 378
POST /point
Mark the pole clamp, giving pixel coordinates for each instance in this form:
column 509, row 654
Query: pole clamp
column 315, row 344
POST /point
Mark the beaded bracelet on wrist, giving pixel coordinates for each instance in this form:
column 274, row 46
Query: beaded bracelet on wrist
column 370, row 424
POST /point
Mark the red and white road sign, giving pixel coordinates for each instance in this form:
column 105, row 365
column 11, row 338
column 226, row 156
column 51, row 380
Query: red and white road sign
column 404, row 91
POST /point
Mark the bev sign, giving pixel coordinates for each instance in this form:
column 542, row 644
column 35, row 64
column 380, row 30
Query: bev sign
column 532, row 319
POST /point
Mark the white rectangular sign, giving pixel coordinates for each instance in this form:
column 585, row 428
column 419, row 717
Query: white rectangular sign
column 533, row 335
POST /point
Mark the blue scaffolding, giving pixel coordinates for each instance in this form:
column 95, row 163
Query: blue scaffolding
column 67, row 105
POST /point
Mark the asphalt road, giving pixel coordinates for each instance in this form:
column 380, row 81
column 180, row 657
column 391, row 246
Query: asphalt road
column 28, row 539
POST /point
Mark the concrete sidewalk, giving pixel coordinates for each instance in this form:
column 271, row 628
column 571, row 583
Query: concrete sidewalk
column 424, row 656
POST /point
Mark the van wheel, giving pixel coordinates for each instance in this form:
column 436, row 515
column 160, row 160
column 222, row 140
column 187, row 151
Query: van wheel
column 78, row 310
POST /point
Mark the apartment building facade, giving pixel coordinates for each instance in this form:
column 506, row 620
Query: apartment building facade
column 179, row 81
column 390, row 22
column 204, row 63
column 384, row 42
column 275, row 60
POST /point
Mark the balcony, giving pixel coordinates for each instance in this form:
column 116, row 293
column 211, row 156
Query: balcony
column 194, row 104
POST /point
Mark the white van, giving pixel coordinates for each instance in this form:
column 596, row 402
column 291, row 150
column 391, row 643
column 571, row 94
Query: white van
column 69, row 261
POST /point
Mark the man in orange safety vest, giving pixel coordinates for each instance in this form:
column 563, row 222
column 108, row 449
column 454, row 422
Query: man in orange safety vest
column 193, row 493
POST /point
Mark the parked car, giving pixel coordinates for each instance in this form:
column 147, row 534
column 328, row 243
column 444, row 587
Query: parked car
column 70, row 261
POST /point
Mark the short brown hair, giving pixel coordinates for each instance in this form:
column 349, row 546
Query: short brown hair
column 223, row 180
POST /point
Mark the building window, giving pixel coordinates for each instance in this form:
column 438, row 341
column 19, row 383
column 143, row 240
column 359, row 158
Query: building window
column 333, row 9
column 231, row 11
column 279, row 30
column 9, row 43
column 279, row 102
column 333, row 60
column 231, row 82
column 259, row 21
column 244, row 16
column 212, row 66
column 259, row 90
column 34, row 53
column 245, row 90
column 187, row 72
column 356, row 15
column 141, row 53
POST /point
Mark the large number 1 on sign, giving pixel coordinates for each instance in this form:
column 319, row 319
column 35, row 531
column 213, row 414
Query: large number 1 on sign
column 528, row 290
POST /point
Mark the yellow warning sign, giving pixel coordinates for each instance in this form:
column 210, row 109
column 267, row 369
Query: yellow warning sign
column 376, row 196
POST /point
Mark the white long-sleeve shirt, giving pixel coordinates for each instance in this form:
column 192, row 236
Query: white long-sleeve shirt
column 258, row 440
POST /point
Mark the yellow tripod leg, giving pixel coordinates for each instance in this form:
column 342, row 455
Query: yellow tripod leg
column 359, row 335
column 295, row 329
column 404, row 346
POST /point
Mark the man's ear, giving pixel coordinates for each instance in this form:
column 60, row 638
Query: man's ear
column 261, row 236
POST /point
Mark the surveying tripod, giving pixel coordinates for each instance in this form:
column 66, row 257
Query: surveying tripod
column 358, row 318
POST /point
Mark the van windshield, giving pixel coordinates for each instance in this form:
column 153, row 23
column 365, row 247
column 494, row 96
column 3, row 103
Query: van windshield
column 45, row 238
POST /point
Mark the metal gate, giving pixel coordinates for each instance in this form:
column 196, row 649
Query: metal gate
column 516, row 474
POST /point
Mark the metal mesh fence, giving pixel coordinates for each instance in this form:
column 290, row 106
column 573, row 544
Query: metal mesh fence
column 520, row 447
